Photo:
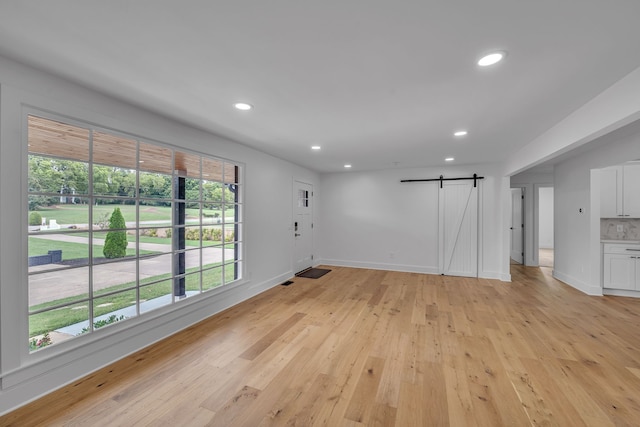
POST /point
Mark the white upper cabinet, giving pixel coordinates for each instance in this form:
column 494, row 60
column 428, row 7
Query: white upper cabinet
column 631, row 190
column 611, row 192
column 620, row 191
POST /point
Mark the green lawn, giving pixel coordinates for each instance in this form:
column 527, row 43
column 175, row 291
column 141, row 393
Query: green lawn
column 132, row 239
column 71, row 250
column 57, row 318
column 79, row 214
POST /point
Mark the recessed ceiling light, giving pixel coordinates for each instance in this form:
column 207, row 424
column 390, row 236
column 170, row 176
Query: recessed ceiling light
column 460, row 133
column 449, row 159
column 243, row 106
column 315, row 147
column 492, row 58
column 347, row 166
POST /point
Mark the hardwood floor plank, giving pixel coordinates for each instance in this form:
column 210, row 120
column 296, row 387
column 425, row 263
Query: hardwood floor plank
column 491, row 389
column 235, row 406
column 227, row 381
column 423, row 402
column 388, row 391
column 580, row 397
column 362, row 401
column 544, row 387
column 291, row 381
column 378, row 294
column 274, row 359
column 621, row 410
column 459, row 401
column 264, row 342
column 634, row 371
column 300, row 409
column 441, row 350
column 417, row 350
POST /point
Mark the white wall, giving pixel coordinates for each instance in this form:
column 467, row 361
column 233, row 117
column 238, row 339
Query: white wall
column 545, row 217
column 374, row 221
column 577, row 257
column 267, row 232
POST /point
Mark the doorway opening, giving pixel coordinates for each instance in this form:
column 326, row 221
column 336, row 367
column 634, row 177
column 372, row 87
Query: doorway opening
column 517, row 226
column 545, row 227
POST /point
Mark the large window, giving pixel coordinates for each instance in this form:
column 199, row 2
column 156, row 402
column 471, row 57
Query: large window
column 120, row 226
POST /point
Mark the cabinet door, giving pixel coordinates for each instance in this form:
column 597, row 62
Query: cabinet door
column 619, row 272
column 611, row 192
column 631, row 191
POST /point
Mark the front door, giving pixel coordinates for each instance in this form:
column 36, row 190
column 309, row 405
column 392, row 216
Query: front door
column 458, row 228
column 302, row 226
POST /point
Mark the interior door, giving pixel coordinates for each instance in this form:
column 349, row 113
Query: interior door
column 517, row 225
column 302, row 226
column 458, row 228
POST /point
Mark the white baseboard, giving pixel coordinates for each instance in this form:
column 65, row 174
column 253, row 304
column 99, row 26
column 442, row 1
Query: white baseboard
column 577, row 284
column 503, row 277
column 268, row 284
column 381, row 266
column 409, row 268
column 621, row 293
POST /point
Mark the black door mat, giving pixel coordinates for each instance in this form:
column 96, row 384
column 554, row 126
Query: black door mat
column 313, row 273
column 287, row 283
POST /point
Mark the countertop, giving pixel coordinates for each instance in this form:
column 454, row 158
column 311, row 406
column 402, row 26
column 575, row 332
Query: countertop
column 633, row 242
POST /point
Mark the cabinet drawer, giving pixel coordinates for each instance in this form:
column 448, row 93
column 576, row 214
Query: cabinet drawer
column 621, row 248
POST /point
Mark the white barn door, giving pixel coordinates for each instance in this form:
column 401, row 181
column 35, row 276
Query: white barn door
column 458, row 228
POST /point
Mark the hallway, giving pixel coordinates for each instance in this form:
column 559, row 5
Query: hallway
column 545, row 257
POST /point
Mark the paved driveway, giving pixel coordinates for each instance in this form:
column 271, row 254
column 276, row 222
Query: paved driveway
column 66, row 281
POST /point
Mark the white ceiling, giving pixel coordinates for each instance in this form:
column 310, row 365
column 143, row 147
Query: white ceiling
column 378, row 84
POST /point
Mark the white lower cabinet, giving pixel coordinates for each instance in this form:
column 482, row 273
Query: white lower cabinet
column 621, row 267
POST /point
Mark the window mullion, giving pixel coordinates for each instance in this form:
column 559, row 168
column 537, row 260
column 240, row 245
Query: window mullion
column 90, row 227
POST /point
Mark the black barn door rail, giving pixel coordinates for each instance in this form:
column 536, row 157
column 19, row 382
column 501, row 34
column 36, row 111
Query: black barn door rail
column 475, row 179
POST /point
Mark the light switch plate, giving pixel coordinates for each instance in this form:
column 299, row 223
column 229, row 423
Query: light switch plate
column 619, row 228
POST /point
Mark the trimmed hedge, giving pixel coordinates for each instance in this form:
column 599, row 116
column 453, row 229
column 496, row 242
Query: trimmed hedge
column 115, row 245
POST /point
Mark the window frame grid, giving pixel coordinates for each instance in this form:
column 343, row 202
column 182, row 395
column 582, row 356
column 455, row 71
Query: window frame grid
column 91, row 196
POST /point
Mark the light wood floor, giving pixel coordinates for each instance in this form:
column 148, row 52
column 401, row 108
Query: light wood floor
column 545, row 257
column 375, row 348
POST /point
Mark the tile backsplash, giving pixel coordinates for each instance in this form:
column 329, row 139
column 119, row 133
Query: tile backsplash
column 609, row 229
